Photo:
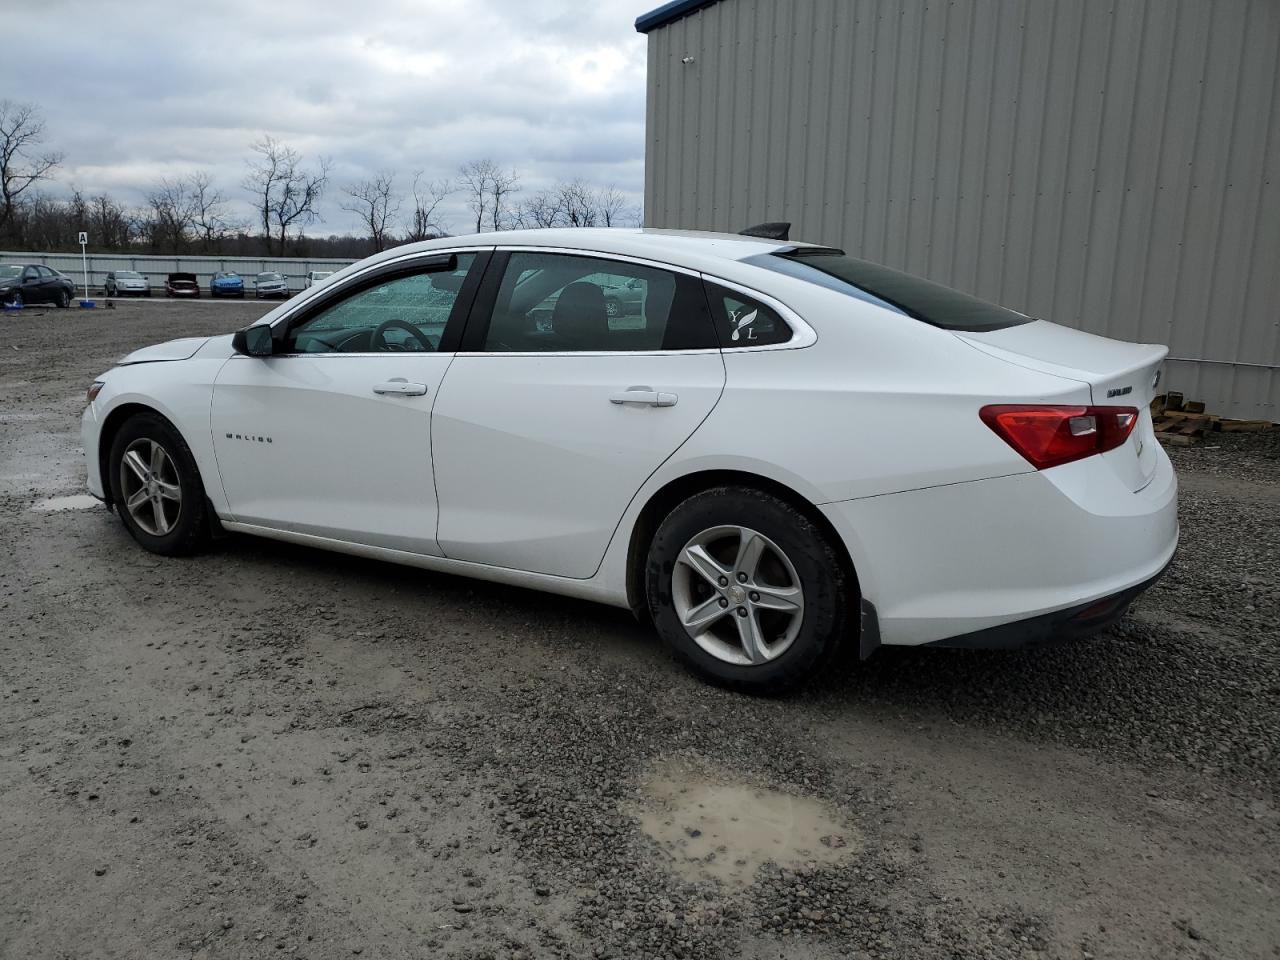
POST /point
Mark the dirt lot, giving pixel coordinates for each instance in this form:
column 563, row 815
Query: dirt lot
column 268, row 751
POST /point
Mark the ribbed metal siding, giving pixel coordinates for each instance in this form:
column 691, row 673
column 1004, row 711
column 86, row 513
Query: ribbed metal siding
column 1113, row 166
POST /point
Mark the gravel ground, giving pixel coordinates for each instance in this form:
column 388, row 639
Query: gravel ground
column 271, row 751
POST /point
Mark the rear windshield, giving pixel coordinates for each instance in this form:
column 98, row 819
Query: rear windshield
column 924, row 300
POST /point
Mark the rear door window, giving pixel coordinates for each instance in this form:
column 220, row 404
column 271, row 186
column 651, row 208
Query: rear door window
column 562, row 303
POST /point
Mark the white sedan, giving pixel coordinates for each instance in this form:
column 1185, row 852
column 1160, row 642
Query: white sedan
column 782, row 450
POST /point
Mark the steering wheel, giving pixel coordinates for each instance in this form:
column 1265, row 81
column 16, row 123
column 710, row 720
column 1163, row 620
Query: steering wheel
column 378, row 340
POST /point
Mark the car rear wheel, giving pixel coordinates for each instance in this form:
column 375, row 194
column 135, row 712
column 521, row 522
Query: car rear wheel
column 156, row 487
column 63, row 299
column 747, row 590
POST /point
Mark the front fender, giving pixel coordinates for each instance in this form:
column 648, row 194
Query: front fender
column 180, row 391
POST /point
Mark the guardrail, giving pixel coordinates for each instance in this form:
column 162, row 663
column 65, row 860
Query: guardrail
column 155, row 269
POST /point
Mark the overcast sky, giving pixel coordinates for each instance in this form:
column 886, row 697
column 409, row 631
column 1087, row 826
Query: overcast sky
column 137, row 90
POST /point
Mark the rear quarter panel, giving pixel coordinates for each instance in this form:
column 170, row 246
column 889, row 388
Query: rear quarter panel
column 879, row 404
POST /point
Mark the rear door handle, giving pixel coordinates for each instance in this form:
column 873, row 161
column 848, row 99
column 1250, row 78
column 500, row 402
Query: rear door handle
column 400, row 387
column 646, row 396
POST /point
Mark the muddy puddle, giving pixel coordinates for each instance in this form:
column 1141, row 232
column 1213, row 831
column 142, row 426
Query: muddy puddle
column 714, row 826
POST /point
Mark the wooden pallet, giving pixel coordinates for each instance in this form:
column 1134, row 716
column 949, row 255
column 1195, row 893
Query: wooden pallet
column 1180, row 422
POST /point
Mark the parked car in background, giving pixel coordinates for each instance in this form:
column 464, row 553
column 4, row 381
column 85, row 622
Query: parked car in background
column 793, row 449
column 126, row 283
column 23, row 283
column 226, row 284
column 266, row 285
column 624, row 300
column 181, row 285
column 315, row 276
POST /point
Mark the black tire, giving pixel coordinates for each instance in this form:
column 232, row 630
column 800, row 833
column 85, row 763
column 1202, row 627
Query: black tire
column 829, row 594
column 63, row 300
column 191, row 525
column 17, row 299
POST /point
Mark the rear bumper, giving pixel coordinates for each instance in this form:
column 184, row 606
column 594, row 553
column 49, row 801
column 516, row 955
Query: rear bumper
column 1075, row 623
column 1006, row 561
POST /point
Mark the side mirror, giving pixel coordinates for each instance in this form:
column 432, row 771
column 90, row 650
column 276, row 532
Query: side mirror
column 253, row 341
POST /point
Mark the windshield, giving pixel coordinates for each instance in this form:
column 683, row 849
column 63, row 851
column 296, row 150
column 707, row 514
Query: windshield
column 8, row 272
column 227, row 276
column 921, row 299
column 269, row 276
column 128, row 275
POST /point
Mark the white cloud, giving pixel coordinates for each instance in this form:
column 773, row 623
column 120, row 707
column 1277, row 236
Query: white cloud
column 139, row 89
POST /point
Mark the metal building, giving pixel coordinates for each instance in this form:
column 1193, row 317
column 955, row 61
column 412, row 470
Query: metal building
column 1112, row 165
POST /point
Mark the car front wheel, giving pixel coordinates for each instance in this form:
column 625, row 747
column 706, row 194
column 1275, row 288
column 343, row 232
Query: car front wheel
column 747, row 590
column 156, row 486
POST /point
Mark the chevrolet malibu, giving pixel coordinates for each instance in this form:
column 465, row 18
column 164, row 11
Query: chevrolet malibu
column 792, row 450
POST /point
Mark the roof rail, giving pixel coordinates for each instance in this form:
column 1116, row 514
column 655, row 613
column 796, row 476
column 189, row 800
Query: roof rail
column 775, row 230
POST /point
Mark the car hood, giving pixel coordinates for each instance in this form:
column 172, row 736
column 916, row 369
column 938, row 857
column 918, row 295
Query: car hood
column 173, row 350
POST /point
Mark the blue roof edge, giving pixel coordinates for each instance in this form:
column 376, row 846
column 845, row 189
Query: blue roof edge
column 669, row 13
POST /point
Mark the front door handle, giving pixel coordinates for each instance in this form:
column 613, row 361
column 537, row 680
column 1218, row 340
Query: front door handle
column 645, row 395
column 400, row 387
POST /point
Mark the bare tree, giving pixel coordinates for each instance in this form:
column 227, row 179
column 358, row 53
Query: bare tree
column 21, row 129
column 475, row 177
column 612, row 206
column 207, row 209
column 109, row 226
column 501, row 186
column 540, row 210
column 373, row 201
column 578, row 204
column 173, row 215
column 426, row 199
column 284, row 193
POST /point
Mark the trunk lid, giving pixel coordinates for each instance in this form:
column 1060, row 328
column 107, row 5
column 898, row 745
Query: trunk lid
column 1119, row 374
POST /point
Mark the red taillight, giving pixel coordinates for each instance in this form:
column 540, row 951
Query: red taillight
column 1048, row 436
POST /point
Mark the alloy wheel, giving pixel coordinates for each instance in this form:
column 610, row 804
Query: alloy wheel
column 738, row 595
column 149, row 487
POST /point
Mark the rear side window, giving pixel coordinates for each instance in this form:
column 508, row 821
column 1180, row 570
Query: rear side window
column 743, row 322
column 924, row 300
